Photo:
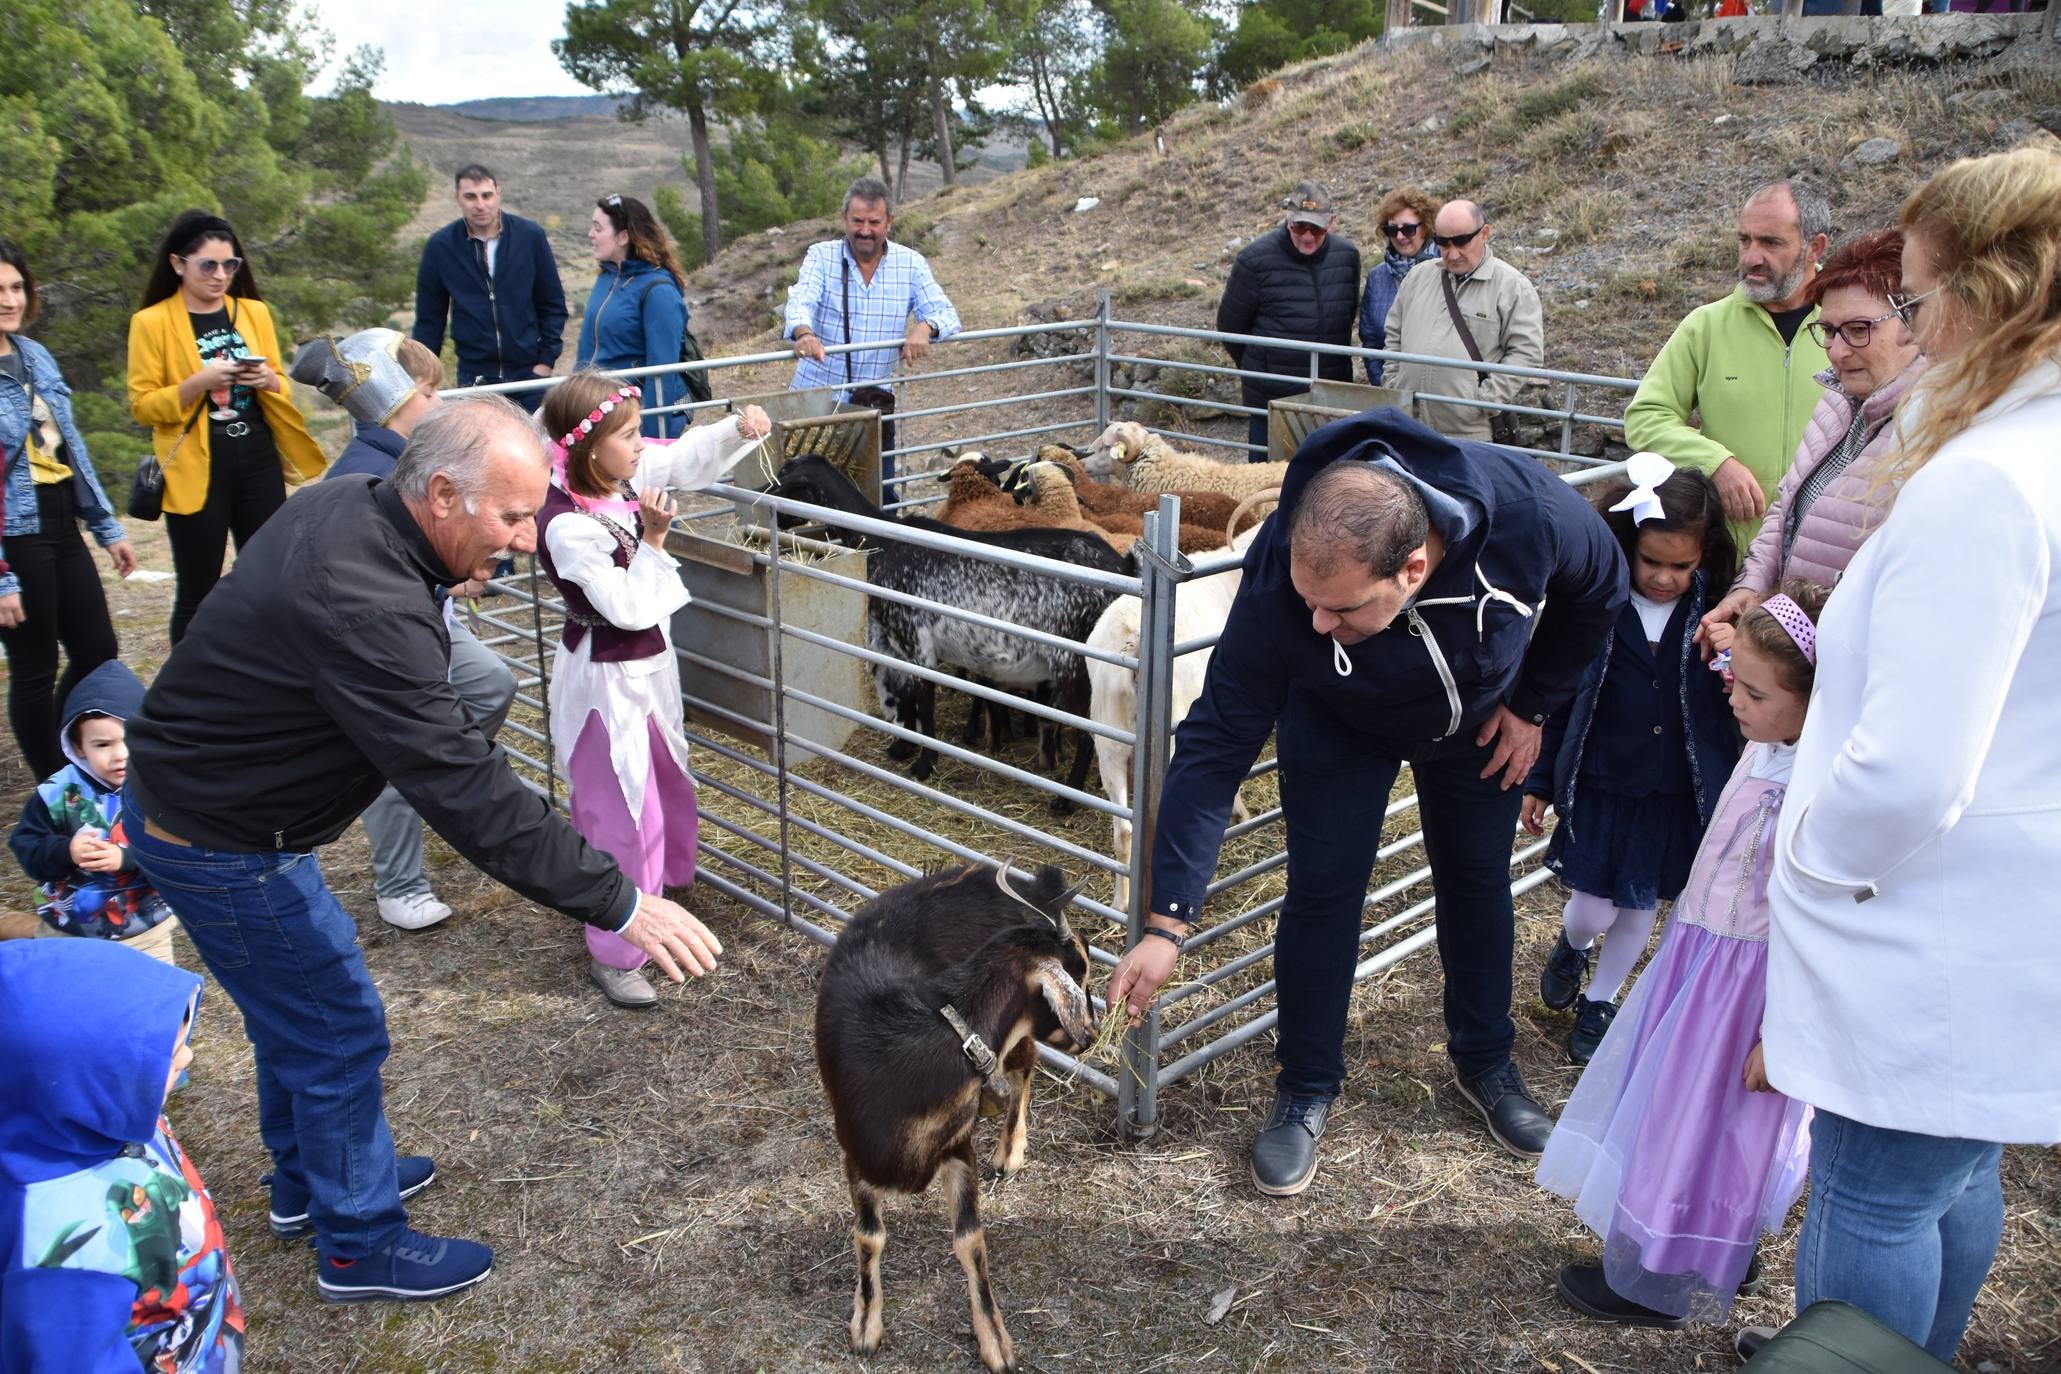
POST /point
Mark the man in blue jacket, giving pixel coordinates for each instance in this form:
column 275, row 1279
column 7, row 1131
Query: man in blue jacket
column 1416, row 600
column 491, row 275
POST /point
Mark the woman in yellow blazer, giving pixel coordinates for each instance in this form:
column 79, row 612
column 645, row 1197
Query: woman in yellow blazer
column 204, row 374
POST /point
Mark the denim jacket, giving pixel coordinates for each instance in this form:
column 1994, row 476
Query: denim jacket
column 94, row 508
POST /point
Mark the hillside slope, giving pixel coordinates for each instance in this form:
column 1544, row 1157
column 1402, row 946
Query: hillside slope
column 1613, row 182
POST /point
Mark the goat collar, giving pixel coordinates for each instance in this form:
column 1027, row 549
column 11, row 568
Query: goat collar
column 976, row 1051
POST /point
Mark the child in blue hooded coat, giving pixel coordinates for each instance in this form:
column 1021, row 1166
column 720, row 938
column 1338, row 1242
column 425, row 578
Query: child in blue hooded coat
column 111, row 1254
column 70, row 837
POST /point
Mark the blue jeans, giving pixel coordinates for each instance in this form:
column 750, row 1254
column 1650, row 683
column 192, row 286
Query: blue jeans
column 1334, row 788
column 287, row 955
column 1902, row 1226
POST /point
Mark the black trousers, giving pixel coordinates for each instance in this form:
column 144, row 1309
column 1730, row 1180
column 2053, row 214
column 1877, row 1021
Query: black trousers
column 245, row 485
column 1334, row 788
column 63, row 608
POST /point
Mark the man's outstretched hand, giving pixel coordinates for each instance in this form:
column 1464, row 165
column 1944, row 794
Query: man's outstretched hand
column 676, row 941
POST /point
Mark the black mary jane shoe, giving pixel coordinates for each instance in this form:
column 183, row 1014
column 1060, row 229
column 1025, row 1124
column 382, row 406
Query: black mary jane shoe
column 1583, row 1287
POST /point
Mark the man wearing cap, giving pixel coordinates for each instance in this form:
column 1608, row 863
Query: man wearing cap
column 389, row 384
column 1494, row 303
column 1300, row 282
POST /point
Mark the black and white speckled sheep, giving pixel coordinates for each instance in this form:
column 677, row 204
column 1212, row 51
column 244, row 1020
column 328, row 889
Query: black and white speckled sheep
column 917, row 635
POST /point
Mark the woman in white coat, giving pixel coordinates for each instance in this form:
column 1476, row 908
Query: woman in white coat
column 1914, row 966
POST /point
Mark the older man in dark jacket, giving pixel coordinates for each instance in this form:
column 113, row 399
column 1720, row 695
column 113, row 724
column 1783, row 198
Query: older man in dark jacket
column 314, row 675
column 1300, row 282
column 1414, row 600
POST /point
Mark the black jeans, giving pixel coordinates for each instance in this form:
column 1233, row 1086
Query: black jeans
column 62, row 606
column 1334, row 787
column 245, row 486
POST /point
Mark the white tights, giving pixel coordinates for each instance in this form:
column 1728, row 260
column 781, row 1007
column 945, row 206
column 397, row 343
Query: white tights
column 1588, row 916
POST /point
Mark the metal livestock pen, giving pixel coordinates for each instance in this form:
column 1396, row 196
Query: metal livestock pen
column 803, row 817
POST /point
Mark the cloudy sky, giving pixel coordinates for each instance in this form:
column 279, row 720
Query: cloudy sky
column 440, row 51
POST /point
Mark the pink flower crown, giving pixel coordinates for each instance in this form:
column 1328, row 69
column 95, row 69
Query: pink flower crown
column 627, row 392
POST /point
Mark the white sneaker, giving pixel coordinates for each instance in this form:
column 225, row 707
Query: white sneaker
column 416, row 911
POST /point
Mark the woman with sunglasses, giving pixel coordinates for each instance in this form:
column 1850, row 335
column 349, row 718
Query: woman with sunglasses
column 1405, row 215
column 50, row 595
column 203, row 374
column 1914, row 958
column 1834, row 495
column 637, row 310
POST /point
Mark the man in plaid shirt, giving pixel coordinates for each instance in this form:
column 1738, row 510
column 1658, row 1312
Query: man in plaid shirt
column 885, row 284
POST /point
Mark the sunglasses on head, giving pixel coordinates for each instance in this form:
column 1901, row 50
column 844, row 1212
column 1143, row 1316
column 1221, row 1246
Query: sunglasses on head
column 209, row 267
column 1398, row 231
column 1857, row 333
column 1457, row 240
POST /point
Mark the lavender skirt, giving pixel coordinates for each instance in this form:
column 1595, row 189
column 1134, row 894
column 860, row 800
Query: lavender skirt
column 1663, row 1151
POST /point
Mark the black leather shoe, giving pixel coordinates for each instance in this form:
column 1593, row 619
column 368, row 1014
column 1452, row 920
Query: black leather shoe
column 1591, row 1023
column 1583, row 1287
column 1513, row 1118
column 1284, row 1153
column 1750, row 1339
column 1560, row 981
column 1750, row 1285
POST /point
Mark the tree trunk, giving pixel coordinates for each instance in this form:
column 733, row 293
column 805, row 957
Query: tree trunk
column 705, row 181
column 941, row 114
column 902, row 181
column 887, row 173
column 1047, row 98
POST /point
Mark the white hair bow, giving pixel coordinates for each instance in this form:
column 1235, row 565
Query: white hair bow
column 1647, row 471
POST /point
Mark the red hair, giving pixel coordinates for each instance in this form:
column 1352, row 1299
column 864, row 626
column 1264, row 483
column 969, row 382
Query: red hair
column 1872, row 262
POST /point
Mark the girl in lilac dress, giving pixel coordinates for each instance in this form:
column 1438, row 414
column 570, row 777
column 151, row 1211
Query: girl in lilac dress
column 616, row 716
column 1674, row 1149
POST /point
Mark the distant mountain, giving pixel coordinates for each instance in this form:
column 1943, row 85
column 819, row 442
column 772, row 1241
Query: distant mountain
column 537, row 109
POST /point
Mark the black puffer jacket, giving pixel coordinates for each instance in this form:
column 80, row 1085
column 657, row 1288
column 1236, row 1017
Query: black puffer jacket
column 1276, row 291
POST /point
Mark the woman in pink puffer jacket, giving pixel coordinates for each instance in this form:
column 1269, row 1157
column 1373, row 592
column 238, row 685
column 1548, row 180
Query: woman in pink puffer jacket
column 1831, row 500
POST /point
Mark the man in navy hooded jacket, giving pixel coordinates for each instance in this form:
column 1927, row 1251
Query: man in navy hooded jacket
column 492, row 276
column 1414, row 599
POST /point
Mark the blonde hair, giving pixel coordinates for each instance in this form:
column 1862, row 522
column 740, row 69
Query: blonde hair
column 572, row 401
column 421, row 364
column 1993, row 227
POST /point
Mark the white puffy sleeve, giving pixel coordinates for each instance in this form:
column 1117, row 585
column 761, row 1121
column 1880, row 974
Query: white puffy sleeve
column 697, row 459
column 633, row 598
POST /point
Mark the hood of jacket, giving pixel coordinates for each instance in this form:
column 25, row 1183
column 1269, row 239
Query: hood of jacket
column 75, row 1102
column 1458, row 647
column 109, row 690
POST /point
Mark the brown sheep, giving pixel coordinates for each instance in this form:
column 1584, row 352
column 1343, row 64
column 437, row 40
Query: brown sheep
column 1209, row 510
column 1047, row 488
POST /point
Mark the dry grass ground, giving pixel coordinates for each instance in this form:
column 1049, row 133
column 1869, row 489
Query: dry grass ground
column 663, row 1190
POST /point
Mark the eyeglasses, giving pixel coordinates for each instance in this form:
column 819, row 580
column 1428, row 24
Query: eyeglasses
column 1457, row 240
column 1315, row 231
column 1855, row 332
column 1906, row 306
column 1398, row 231
column 208, row 267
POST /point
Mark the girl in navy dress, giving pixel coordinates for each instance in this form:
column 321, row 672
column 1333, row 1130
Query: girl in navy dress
column 1634, row 764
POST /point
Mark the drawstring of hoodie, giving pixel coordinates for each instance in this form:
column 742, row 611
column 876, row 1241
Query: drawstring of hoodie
column 1339, row 661
column 1489, row 592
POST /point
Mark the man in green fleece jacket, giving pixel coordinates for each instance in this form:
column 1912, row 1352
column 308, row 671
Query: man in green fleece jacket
column 1746, row 362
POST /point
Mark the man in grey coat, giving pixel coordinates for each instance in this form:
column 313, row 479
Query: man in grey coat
column 1501, row 310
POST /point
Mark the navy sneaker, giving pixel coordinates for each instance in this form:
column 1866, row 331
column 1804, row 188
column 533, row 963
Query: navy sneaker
column 415, row 1268
column 1561, row 979
column 290, row 1200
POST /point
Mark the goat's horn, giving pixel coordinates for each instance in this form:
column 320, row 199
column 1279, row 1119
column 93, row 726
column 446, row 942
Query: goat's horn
column 1002, row 881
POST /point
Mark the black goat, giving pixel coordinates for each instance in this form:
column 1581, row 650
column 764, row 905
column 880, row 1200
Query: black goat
column 935, row 998
column 918, row 635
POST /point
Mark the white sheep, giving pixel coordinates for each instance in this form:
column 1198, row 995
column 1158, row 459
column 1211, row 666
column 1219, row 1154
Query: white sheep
column 1200, row 609
column 1143, row 461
